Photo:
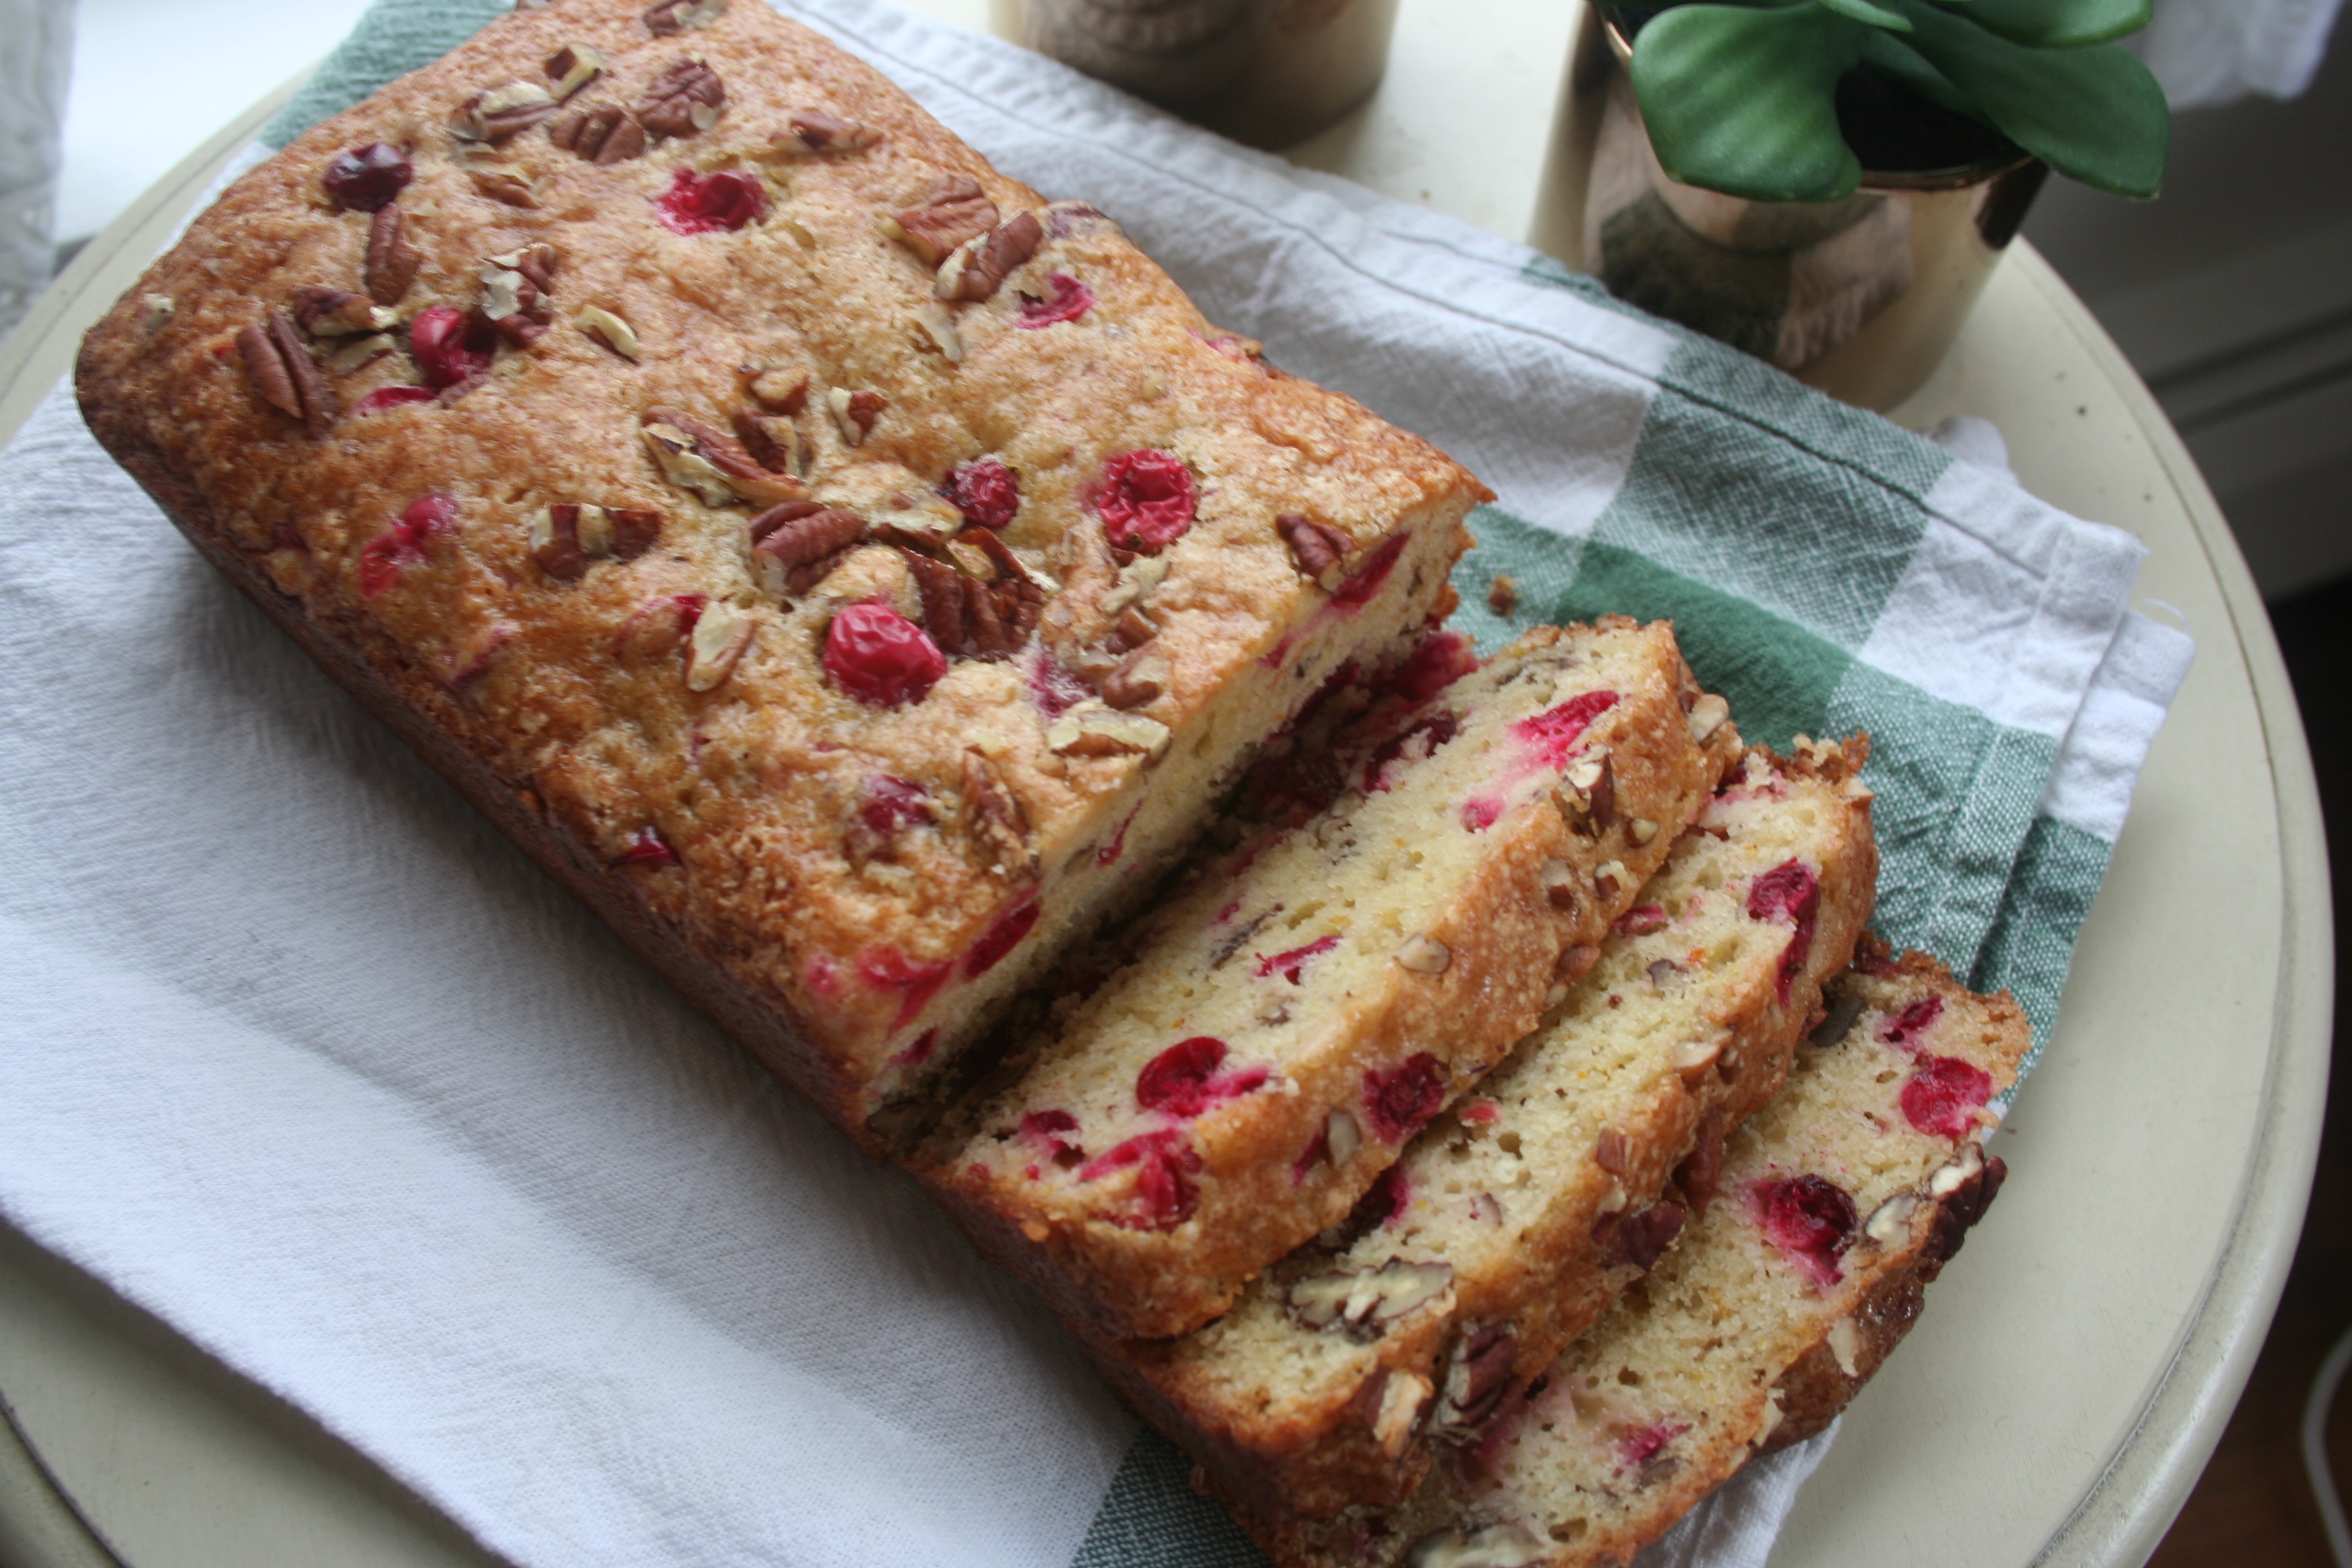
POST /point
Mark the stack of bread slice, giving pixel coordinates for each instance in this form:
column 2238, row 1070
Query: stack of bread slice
column 1440, row 1163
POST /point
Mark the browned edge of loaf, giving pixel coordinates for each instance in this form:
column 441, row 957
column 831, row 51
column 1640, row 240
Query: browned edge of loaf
column 1116, row 1284
column 753, row 1020
column 1315, row 1463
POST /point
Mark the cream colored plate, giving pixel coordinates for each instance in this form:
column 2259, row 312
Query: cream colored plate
column 2082, row 1354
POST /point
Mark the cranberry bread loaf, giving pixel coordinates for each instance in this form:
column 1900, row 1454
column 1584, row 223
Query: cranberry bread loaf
column 1315, row 996
column 1836, row 1206
column 849, row 573
column 1512, row 1220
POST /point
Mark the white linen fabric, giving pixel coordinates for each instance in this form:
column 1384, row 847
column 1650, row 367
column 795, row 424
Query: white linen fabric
column 2208, row 52
column 306, row 1060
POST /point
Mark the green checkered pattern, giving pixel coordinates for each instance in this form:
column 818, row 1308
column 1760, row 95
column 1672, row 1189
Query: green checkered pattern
column 1773, row 527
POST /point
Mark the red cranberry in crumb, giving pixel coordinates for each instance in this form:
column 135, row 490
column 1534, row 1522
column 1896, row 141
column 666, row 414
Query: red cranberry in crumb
column 1400, row 1100
column 1384, row 1203
column 1183, row 1080
column 1943, row 1094
column 1789, row 890
column 1635, row 1450
column 1644, row 920
column 384, row 397
column 1165, row 1163
column 1431, row 733
column 1811, row 1219
column 1000, row 938
column 1905, row 1028
column 824, row 976
column 1366, row 580
column 707, row 204
column 1550, row 733
column 1289, row 964
column 985, row 490
column 369, row 177
column 647, row 847
column 1480, row 812
column 1109, row 853
column 887, row 804
column 885, row 968
column 1053, row 687
column 450, row 345
column 919, row 1053
column 878, row 656
column 1146, row 501
column 1066, row 300
column 382, row 558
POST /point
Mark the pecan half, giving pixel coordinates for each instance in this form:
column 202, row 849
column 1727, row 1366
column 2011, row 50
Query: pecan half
column 978, row 267
column 502, row 114
column 391, row 261
column 1000, row 828
column 325, row 313
column 281, row 368
column 565, row 535
column 798, row 543
column 954, row 210
column 683, row 99
column 571, row 68
column 666, row 17
column 810, row 130
column 1319, row 549
column 854, row 413
column 603, row 133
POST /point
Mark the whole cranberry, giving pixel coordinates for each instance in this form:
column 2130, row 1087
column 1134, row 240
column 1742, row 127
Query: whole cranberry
column 450, row 346
column 1177, row 1079
column 1789, row 890
column 878, row 656
column 1148, row 500
column 1812, row 1220
column 985, row 490
column 1943, row 1093
column 384, row 397
column 707, row 204
column 383, row 558
column 1400, row 1100
column 369, row 177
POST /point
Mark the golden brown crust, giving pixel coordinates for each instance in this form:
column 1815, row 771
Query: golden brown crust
column 745, row 757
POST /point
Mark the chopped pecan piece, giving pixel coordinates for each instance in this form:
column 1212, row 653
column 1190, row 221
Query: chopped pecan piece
column 609, row 329
column 954, row 210
column 537, row 262
column 1320, row 550
column 854, row 413
column 774, row 442
column 1641, row 1239
column 978, row 267
column 325, row 313
column 282, row 371
column 1133, row 684
column 713, row 465
column 503, row 113
column 565, row 535
column 1091, row 730
column 932, row 319
column 391, row 261
column 665, row 17
column 354, row 352
column 778, row 390
column 719, row 639
column 1009, row 567
column 1477, row 1378
column 808, row 131
column 683, row 99
column 1000, row 828
column 502, row 183
column 1362, row 1302
column 1131, row 630
column 603, row 133
column 801, row 542
column 571, row 68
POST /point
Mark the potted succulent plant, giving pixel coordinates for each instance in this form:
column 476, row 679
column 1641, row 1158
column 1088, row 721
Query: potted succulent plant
column 1828, row 182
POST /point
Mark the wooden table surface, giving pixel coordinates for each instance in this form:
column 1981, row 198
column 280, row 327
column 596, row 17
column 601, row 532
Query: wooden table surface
column 2059, row 1401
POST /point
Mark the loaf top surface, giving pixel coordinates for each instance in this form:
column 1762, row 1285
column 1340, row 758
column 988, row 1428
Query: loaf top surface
column 730, row 320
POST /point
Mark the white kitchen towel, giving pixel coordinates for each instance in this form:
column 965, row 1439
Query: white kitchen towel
column 306, row 1060
column 2205, row 52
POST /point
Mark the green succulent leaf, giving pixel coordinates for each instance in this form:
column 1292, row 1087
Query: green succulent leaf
column 2056, row 24
column 1742, row 100
column 1898, row 60
column 1865, row 12
column 2094, row 113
